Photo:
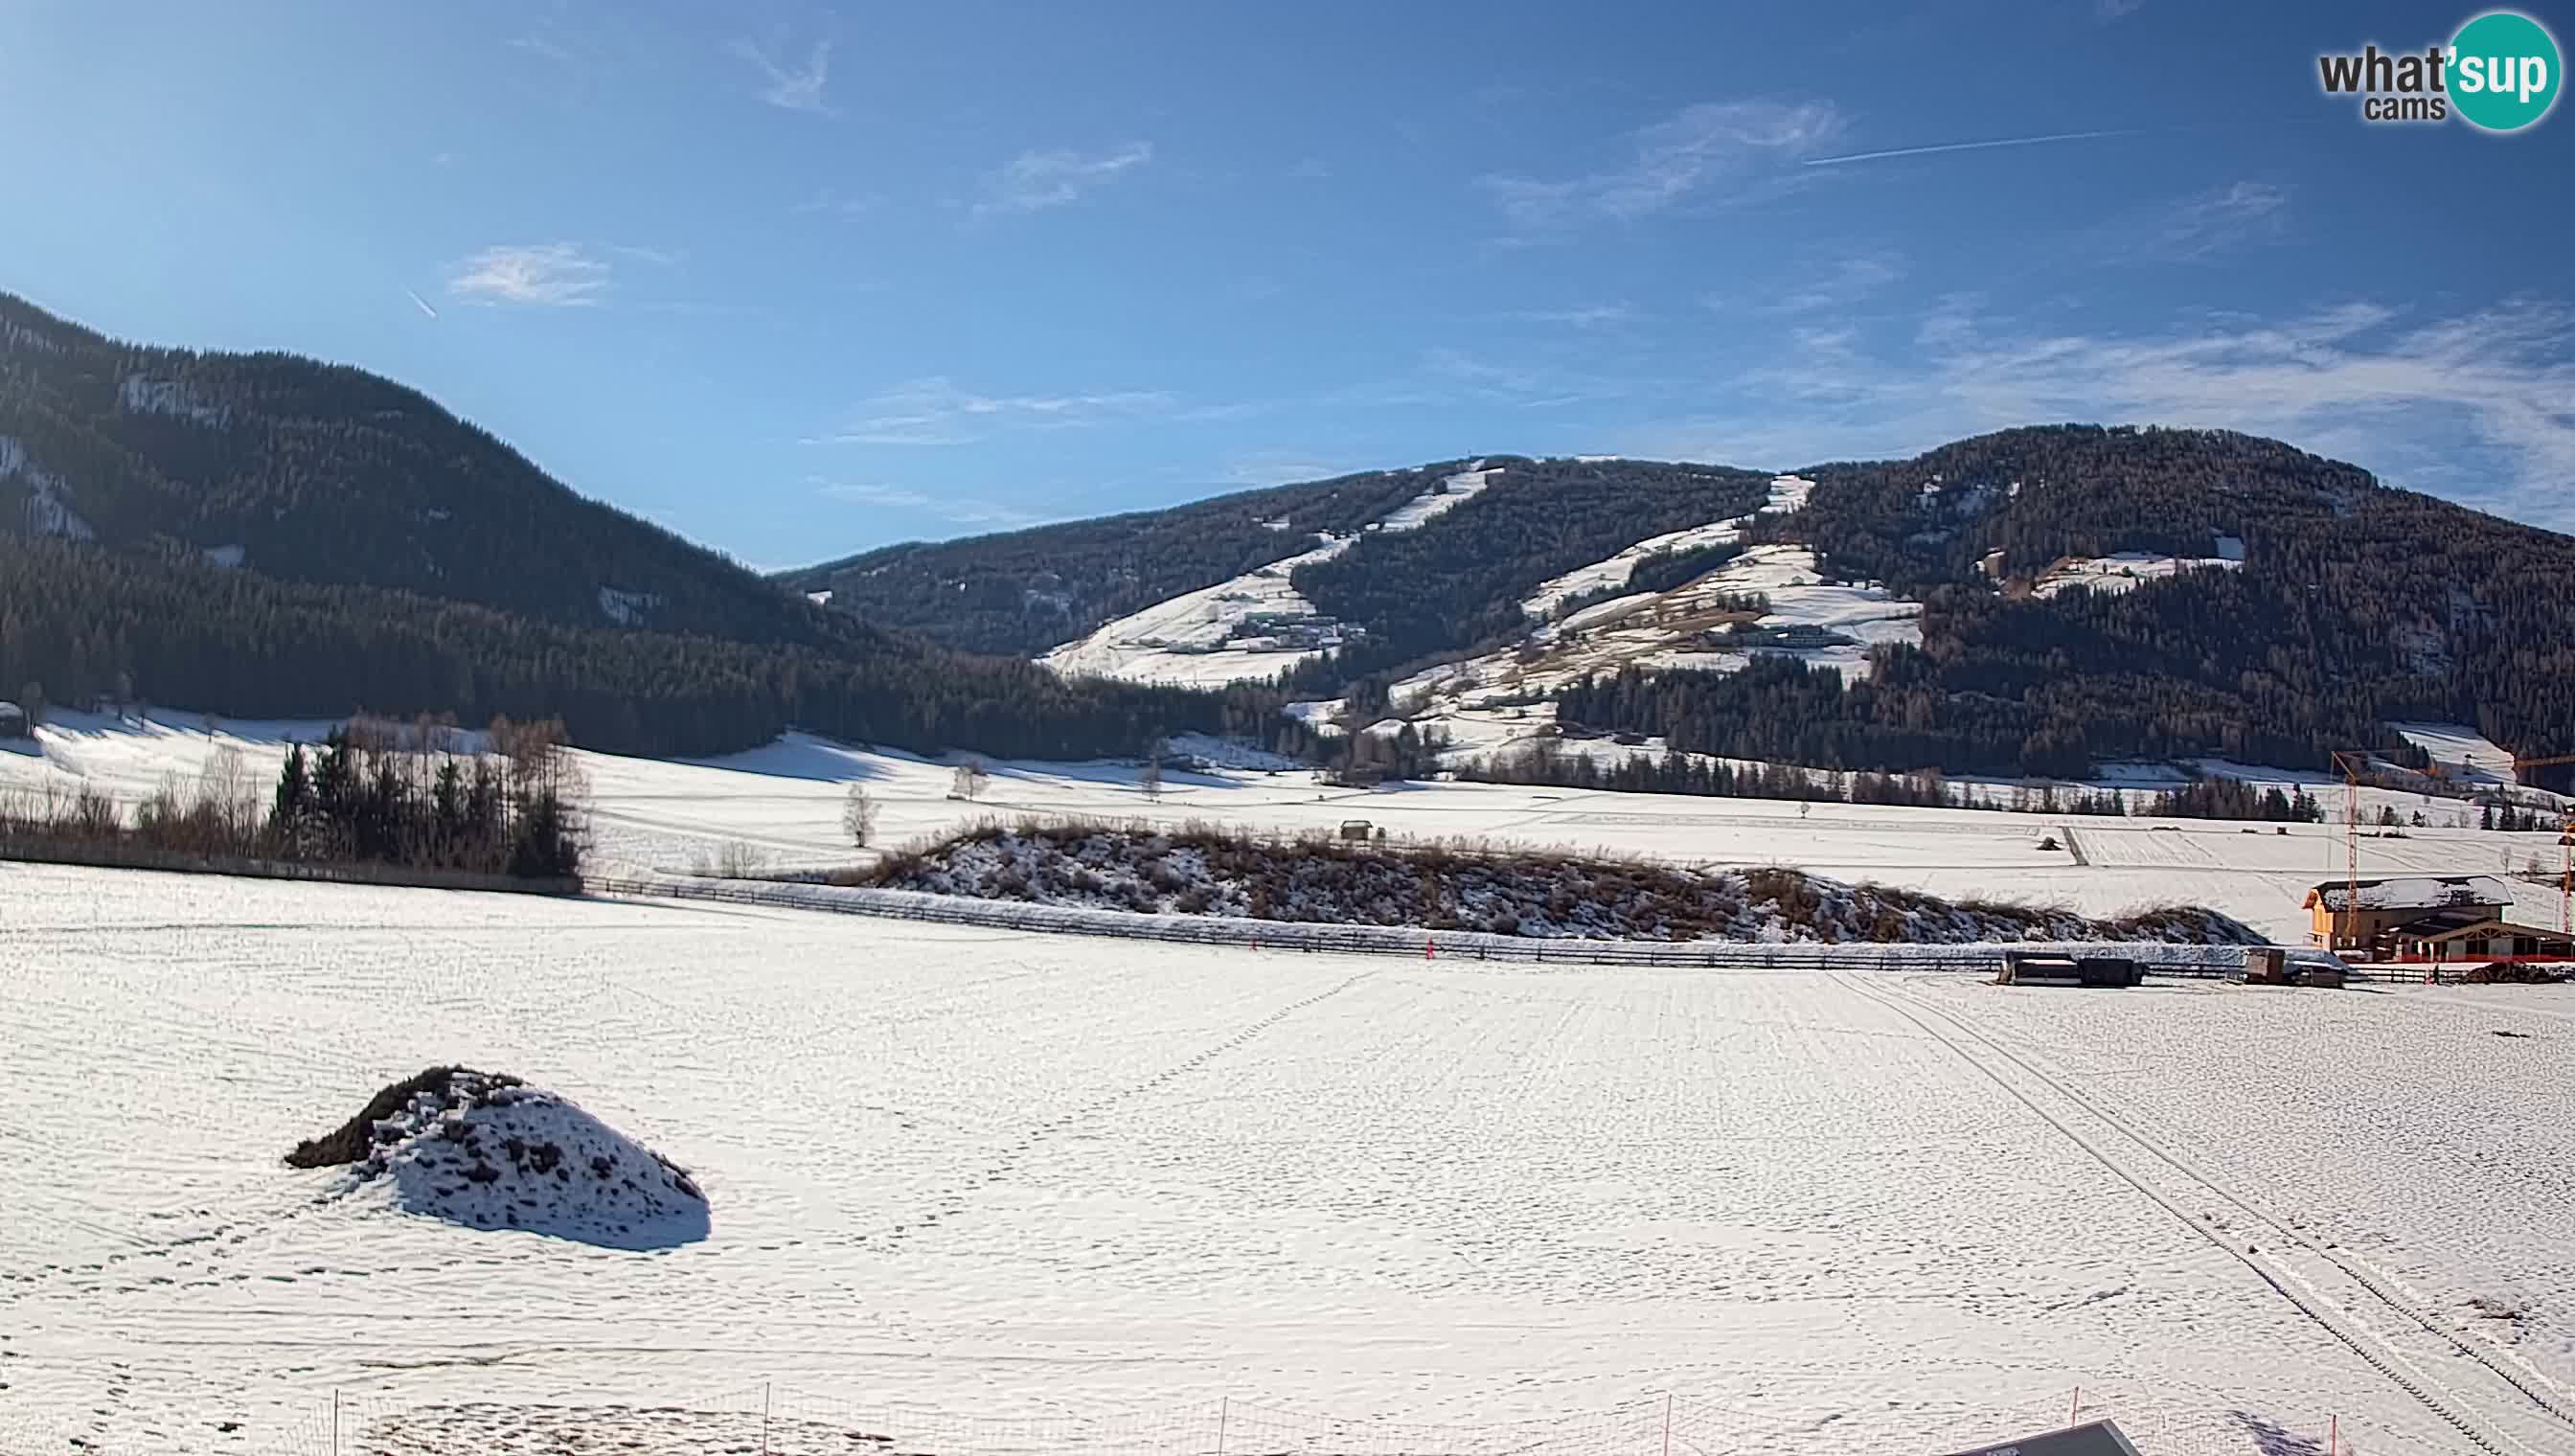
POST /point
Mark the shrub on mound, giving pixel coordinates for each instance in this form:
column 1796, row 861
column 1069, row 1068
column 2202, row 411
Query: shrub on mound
column 353, row 1140
column 1204, row 869
column 491, row 1153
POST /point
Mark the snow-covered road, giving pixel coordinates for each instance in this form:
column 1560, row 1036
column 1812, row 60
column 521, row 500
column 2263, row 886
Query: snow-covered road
column 966, row 1174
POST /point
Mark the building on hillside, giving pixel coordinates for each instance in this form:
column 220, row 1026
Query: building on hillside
column 13, row 721
column 2386, row 905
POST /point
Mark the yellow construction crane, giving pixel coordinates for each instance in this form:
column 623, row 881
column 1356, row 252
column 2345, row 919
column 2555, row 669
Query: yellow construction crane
column 2565, row 844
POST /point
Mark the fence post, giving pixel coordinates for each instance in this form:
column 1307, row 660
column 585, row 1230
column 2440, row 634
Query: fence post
column 335, row 1421
column 2075, row 1416
column 764, row 1418
column 1224, row 1409
column 1668, row 1423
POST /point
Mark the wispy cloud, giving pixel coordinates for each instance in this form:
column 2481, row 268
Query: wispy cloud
column 1276, row 468
column 957, row 510
column 832, row 202
column 1838, row 284
column 2203, row 226
column 1034, row 181
column 659, row 257
column 935, row 410
column 2106, row 11
column 538, row 275
column 1698, row 154
column 787, row 84
column 2479, row 407
column 1582, row 316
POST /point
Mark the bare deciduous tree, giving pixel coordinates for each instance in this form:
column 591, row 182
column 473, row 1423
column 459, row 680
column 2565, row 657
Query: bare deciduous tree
column 859, row 815
column 969, row 781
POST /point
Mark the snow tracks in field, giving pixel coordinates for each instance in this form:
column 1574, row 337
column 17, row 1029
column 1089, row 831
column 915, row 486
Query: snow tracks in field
column 2495, row 1403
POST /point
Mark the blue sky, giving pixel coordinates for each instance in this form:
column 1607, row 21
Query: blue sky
column 797, row 279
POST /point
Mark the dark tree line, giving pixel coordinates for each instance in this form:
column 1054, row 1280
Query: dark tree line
column 2231, row 799
column 357, row 800
column 86, row 621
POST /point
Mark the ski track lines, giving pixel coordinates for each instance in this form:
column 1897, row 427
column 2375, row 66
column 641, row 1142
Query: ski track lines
column 1017, row 1176
column 2386, row 1331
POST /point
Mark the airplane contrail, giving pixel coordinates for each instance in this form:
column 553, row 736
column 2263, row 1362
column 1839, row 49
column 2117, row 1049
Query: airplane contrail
column 424, row 304
column 2127, row 131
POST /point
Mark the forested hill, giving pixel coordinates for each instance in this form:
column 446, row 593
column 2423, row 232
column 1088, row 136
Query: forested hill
column 1023, row 591
column 310, row 472
column 2355, row 605
column 76, row 620
column 1450, row 583
column 263, row 535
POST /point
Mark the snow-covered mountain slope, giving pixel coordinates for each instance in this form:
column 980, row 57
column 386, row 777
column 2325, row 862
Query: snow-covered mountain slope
column 1252, row 626
column 49, row 512
column 1616, row 570
column 1712, row 622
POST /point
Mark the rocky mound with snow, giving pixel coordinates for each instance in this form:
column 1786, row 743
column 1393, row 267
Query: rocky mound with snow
column 1205, row 871
column 488, row 1151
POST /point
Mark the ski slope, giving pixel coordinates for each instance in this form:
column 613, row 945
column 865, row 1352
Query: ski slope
column 1210, row 637
column 988, row 1193
column 780, row 806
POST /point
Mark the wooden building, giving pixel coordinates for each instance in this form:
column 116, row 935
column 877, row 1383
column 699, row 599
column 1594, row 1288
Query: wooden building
column 2382, row 906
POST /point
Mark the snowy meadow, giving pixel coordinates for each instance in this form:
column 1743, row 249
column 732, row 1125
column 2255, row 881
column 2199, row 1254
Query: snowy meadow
column 979, row 1190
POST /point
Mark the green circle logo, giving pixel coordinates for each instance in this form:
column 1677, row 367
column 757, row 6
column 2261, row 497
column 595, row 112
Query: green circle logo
column 2504, row 71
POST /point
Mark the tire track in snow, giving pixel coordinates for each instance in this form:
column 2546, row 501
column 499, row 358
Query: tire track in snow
column 2522, row 1381
column 2372, row 1348
column 1030, row 1141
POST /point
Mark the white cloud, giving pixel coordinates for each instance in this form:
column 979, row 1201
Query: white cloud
column 1034, row 181
column 1696, row 154
column 2479, row 408
column 541, row 275
column 959, row 509
column 935, row 410
column 787, row 85
column 2109, row 10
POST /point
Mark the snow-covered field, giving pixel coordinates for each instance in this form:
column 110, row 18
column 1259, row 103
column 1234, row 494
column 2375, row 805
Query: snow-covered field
column 782, row 805
column 985, row 1192
column 2122, row 570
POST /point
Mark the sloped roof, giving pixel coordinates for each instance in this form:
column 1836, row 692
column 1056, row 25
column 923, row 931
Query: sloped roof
column 2460, row 924
column 2425, row 893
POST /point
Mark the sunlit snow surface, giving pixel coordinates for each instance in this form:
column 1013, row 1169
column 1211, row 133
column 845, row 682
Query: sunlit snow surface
column 782, row 804
column 973, row 1186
